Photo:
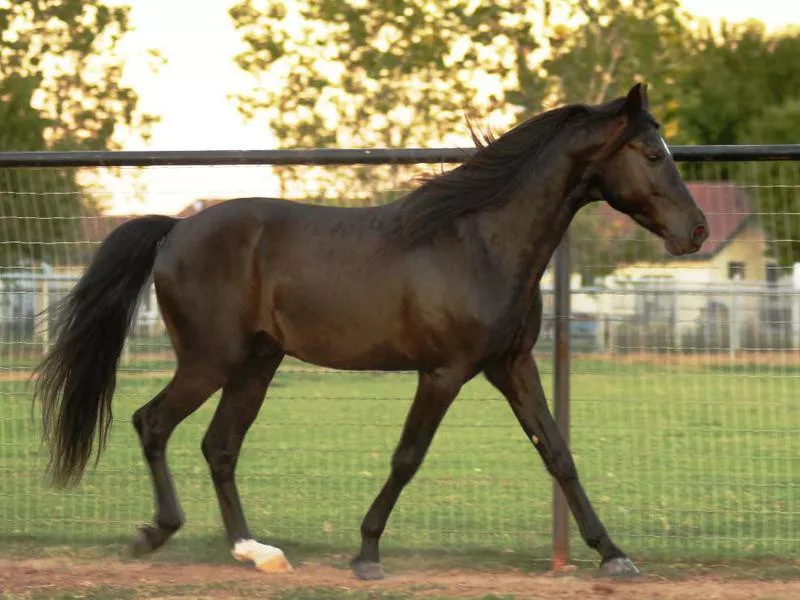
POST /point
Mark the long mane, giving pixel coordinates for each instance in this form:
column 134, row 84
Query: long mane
column 494, row 172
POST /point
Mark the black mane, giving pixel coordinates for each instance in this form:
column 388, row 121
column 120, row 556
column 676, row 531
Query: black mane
column 491, row 176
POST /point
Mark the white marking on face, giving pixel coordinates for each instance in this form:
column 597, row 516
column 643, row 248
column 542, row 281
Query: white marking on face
column 664, row 143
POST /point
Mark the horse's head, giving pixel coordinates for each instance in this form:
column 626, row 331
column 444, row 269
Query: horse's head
column 634, row 172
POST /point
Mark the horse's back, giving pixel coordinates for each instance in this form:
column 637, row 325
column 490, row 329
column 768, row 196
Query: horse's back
column 327, row 283
column 318, row 280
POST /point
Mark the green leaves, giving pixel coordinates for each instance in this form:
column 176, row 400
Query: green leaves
column 68, row 47
column 382, row 74
column 743, row 87
column 616, row 45
column 732, row 79
column 406, row 72
column 362, row 64
column 60, row 88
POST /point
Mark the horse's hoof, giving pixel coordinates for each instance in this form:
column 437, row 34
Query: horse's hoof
column 619, row 568
column 143, row 542
column 267, row 559
column 275, row 564
column 367, row 570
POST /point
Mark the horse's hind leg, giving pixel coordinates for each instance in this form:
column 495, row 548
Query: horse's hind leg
column 241, row 400
column 154, row 422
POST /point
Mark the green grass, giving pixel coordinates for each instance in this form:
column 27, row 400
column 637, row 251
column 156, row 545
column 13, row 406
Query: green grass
column 681, row 464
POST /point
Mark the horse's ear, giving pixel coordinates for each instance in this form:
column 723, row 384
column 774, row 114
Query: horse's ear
column 636, row 101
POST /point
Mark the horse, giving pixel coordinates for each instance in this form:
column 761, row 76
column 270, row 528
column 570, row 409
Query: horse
column 443, row 281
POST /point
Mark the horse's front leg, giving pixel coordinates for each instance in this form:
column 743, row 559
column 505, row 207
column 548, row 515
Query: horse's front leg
column 517, row 378
column 435, row 392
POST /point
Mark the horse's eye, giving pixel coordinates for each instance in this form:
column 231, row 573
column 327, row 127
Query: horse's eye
column 654, row 157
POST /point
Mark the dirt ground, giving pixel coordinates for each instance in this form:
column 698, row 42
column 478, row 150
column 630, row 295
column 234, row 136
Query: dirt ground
column 113, row 578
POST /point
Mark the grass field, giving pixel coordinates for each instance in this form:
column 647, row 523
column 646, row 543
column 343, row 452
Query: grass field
column 681, row 463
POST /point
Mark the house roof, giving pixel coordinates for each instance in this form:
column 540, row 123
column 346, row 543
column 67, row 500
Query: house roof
column 726, row 206
column 198, row 205
column 97, row 228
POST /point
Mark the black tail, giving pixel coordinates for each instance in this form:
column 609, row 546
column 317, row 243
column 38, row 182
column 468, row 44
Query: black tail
column 76, row 380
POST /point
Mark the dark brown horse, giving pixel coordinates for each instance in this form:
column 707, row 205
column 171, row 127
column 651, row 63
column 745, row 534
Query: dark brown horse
column 444, row 281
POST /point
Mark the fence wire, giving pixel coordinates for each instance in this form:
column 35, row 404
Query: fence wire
column 684, row 382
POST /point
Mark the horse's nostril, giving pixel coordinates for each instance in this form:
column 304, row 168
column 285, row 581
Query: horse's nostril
column 699, row 234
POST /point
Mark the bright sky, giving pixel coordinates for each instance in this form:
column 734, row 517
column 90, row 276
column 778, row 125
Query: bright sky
column 190, row 93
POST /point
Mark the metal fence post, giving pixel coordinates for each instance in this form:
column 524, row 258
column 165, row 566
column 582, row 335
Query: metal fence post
column 561, row 357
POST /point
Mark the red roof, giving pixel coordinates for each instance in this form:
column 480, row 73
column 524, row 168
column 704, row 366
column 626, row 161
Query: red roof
column 198, row 205
column 96, row 228
column 726, row 206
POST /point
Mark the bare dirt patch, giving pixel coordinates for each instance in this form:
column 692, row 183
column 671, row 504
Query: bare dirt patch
column 88, row 578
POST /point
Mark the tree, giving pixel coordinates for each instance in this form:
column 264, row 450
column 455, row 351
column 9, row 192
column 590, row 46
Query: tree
column 369, row 74
column 778, row 182
column 390, row 74
column 744, row 88
column 60, row 88
column 734, row 77
column 403, row 73
column 619, row 43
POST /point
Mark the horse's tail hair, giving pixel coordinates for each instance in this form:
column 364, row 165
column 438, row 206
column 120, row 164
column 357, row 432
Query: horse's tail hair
column 76, row 380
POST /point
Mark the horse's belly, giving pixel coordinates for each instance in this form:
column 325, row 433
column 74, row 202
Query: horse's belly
column 374, row 332
column 329, row 330
column 355, row 315
column 356, row 347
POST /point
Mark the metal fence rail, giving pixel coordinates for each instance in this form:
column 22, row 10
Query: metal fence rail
column 343, row 156
column 626, row 326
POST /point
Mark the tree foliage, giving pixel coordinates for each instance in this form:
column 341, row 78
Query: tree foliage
column 733, row 78
column 404, row 73
column 60, row 88
column 778, row 183
column 378, row 74
column 743, row 87
column 617, row 44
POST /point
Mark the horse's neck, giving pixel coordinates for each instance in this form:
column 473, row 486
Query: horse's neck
column 523, row 234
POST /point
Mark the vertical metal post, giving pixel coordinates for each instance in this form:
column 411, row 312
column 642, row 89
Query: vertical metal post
column 561, row 513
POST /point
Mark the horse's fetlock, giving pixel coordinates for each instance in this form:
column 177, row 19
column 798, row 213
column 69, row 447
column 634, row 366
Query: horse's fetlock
column 170, row 524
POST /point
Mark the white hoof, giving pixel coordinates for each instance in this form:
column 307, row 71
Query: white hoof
column 267, row 559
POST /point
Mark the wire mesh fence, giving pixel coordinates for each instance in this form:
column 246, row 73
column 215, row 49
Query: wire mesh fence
column 684, row 381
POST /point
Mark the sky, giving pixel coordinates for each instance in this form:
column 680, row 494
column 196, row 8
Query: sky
column 190, row 93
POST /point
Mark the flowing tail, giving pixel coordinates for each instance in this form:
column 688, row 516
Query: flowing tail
column 76, row 381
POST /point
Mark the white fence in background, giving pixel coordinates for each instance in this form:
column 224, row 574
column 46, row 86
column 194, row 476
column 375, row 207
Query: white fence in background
column 626, row 318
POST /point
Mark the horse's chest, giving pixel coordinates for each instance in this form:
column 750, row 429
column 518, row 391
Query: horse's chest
column 518, row 324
